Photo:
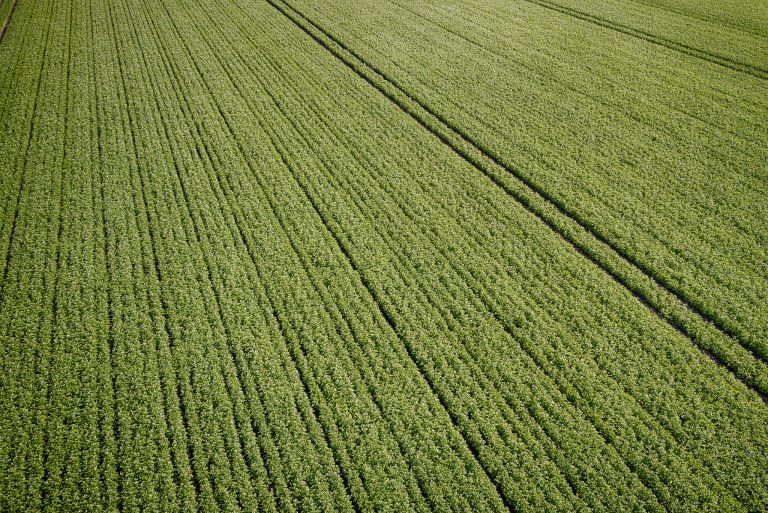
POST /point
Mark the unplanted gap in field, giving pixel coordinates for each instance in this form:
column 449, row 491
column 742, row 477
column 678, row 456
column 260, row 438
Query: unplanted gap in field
column 561, row 209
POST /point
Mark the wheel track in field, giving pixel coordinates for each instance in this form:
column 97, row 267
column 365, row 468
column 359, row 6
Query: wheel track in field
column 554, row 214
column 701, row 17
column 711, row 57
column 493, row 312
column 387, row 317
column 327, row 167
column 607, row 103
column 7, row 20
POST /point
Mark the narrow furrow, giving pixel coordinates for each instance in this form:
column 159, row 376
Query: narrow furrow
column 108, row 430
column 229, row 378
column 108, row 462
column 16, row 79
column 273, row 309
column 349, row 331
column 402, row 263
column 236, row 393
column 7, row 20
column 76, row 443
column 291, row 255
column 11, row 64
column 63, row 187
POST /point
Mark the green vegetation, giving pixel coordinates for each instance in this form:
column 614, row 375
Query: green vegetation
column 268, row 255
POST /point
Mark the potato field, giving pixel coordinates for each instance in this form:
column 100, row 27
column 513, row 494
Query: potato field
column 383, row 255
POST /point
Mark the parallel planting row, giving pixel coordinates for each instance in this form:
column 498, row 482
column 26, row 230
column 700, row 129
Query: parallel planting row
column 236, row 276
